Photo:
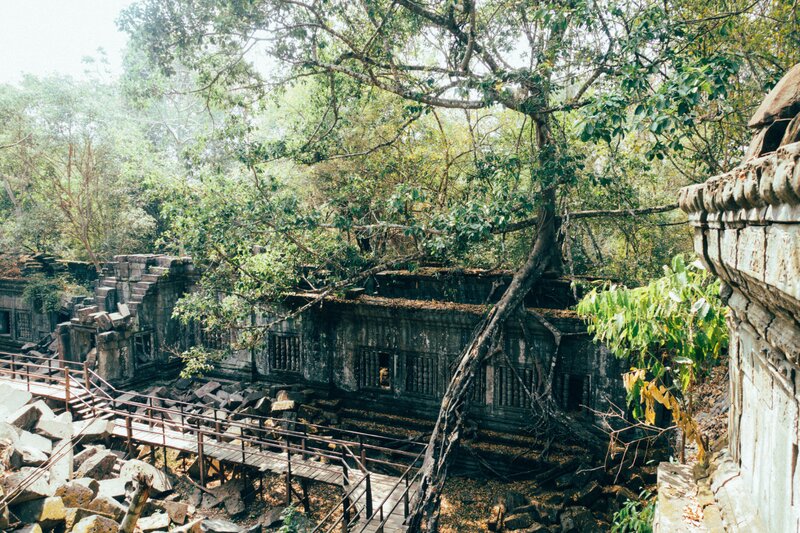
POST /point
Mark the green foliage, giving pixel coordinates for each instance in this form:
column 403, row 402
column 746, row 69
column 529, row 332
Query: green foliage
column 294, row 521
column 198, row 361
column 673, row 328
column 43, row 293
column 635, row 516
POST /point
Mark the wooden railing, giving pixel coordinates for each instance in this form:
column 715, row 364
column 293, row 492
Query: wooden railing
column 261, row 438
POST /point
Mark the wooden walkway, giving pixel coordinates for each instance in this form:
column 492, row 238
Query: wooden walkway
column 371, row 501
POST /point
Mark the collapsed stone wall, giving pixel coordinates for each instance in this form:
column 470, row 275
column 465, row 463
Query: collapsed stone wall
column 747, row 232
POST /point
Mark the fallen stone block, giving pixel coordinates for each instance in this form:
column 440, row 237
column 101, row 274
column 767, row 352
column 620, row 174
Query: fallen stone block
column 209, row 388
column 160, row 482
column 61, row 468
column 75, row 494
column 84, row 454
column 518, row 521
column 115, row 488
column 54, row 429
column 47, row 512
column 75, row 515
column 153, row 522
column 98, row 466
column 577, row 519
column 273, row 517
column 36, row 490
column 89, row 483
column 219, row 526
column 177, row 511
column 32, row 440
column 284, row 405
column 25, row 417
column 30, row 456
column 191, row 527
column 13, row 399
column 109, row 507
column 9, row 435
column 93, row 430
column 96, row 524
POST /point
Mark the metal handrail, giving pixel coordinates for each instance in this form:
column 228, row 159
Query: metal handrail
column 150, row 422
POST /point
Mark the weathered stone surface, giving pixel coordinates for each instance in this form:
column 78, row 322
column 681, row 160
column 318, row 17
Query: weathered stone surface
column 25, row 417
column 93, row 430
column 98, row 466
column 578, row 520
column 30, row 456
column 33, row 440
column 130, row 469
column 220, row 526
column 47, row 512
column 153, row 522
column 61, row 467
column 75, row 494
column 190, row 527
column 54, row 429
column 783, row 101
column 518, row 521
column 9, row 435
column 113, row 488
column 13, row 399
column 96, row 524
column 89, row 483
column 107, row 507
column 75, row 515
column 29, row 528
column 177, row 511
column 39, row 488
column 285, row 405
column 80, row 457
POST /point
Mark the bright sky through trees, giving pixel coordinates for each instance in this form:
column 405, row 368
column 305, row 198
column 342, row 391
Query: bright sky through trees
column 41, row 37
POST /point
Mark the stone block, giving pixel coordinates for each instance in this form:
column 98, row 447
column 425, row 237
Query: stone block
column 160, row 481
column 113, row 488
column 13, row 399
column 75, row 494
column 155, row 522
column 96, row 524
column 29, row 456
column 109, row 507
column 177, row 511
column 38, row 489
column 98, row 466
column 191, row 527
column 47, row 512
column 32, row 440
column 284, row 405
column 75, row 515
column 93, row 430
column 219, row 526
column 54, row 429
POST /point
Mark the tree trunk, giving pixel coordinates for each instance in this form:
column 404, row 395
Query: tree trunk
column 445, row 436
column 138, row 500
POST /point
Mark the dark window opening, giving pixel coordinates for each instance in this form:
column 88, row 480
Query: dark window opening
column 283, row 352
column 143, row 348
column 421, row 374
column 214, row 339
column 577, row 392
column 24, row 325
column 375, row 369
column 5, row 323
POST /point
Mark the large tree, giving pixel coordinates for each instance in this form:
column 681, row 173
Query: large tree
column 661, row 70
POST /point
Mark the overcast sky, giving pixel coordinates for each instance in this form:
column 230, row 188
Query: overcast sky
column 53, row 36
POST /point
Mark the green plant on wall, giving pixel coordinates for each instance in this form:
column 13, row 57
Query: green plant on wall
column 635, row 516
column 198, row 361
column 44, row 293
column 672, row 331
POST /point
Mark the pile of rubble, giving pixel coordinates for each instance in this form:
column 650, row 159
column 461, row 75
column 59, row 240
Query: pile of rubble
column 63, row 475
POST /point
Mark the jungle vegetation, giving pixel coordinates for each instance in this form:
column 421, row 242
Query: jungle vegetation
column 281, row 142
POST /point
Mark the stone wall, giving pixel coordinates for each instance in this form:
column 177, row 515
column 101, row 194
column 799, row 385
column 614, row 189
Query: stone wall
column 414, row 340
column 747, row 232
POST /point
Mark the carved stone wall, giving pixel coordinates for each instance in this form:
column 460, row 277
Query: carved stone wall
column 747, row 232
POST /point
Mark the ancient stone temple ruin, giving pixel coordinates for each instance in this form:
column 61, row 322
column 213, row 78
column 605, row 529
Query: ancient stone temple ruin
column 391, row 344
column 747, row 232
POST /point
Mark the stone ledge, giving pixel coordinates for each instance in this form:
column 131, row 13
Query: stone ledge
column 765, row 189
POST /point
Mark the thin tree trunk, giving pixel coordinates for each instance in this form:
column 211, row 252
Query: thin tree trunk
column 446, row 432
column 138, row 500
